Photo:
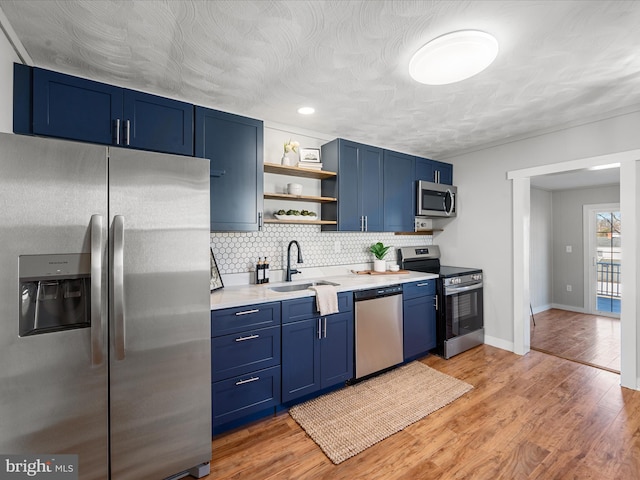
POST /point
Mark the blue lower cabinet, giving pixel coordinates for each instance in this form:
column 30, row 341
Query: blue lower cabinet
column 336, row 350
column 419, row 312
column 317, row 353
column 245, row 364
column 244, row 352
column 244, row 395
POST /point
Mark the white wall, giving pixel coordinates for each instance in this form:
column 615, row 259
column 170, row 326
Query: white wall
column 482, row 233
column 7, row 58
column 540, row 264
column 568, row 267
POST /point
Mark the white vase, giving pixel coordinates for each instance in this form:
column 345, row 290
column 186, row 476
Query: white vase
column 379, row 265
column 289, row 159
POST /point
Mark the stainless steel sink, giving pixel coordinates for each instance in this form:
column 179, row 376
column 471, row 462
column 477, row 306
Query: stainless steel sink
column 300, row 286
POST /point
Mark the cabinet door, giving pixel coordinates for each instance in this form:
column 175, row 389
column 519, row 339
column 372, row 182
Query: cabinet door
column 424, row 170
column 336, row 349
column 399, row 197
column 349, row 213
column 444, row 172
column 300, row 358
column 234, row 145
column 419, row 326
column 370, row 187
column 157, row 123
column 75, row 108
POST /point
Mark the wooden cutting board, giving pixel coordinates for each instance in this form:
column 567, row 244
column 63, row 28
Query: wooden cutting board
column 371, row 272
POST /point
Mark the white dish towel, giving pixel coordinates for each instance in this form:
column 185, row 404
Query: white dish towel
column 326, row 299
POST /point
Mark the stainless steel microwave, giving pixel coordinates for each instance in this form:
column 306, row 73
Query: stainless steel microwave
column 436, row 199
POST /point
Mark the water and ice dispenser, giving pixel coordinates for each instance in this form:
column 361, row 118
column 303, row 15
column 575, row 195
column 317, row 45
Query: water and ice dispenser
column 54, row 292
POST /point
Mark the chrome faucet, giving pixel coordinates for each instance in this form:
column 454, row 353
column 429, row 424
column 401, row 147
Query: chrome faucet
column 290, row 271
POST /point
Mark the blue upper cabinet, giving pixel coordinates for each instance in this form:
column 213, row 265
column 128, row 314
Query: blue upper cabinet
column 234, row 145
column 358, row 186
column 399, row 197
column 157, row 123
column 75, row 108
column 433, row 171
column 78, row 109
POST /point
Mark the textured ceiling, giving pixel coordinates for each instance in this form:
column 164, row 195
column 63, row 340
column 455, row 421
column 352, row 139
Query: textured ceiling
column 559, row 61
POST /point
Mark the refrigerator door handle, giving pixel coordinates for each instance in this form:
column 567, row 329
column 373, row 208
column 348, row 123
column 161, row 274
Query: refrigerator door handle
column 97, row 246
column 118, row 286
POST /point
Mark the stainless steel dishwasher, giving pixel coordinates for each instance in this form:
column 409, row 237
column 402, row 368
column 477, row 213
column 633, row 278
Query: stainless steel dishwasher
column 378, row 329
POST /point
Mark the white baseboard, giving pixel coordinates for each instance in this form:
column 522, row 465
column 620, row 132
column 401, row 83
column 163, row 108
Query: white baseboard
column 570, row 308
column 498, row 343
column 541, row 308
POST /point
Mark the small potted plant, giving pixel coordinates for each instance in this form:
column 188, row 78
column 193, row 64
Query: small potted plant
column 379, row 251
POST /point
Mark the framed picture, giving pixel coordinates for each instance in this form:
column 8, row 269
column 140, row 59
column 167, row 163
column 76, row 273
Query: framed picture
column 310, row 155
column 215, row 283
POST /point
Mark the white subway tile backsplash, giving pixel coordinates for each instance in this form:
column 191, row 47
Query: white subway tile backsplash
column 237, row 252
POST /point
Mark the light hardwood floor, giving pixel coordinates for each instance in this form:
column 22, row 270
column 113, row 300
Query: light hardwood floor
column 590, row 339
column 528, row 417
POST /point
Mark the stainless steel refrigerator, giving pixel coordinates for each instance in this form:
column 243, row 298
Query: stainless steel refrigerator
column 104, row 307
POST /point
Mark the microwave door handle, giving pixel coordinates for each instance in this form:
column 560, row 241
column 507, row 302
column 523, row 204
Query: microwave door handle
column 453, row 202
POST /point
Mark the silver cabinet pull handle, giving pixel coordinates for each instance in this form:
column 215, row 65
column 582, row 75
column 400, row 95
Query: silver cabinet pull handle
column 319, row 329
column 436, row 297
column 250, row 337
column 116, row 128
column 127, row 132
column 248, row 380
column 325, row 328
column 97, row 246
column 423, row 284
column 247, row 312
column 118, row 286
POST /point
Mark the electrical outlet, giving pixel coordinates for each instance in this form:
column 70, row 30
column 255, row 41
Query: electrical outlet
column 569, row 249
column 337, row 248
column 569, row 288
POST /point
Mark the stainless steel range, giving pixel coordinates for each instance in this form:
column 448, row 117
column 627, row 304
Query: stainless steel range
column 460, row 323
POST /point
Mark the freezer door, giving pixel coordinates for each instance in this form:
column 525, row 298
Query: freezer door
column 53, row 378
column 160, row 314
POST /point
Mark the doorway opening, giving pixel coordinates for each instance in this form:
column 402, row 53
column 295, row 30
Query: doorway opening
column 603, row 259
column 629, row 181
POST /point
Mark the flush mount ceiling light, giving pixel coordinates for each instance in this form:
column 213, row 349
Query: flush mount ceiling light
column 306, row 110
column 453, row 57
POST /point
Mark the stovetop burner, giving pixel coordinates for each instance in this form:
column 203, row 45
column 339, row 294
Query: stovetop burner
column 427, row 259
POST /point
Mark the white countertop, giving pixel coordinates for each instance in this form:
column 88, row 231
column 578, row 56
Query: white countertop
column 240, row 295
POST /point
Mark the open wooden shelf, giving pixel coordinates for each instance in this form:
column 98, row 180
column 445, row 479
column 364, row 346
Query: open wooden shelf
column 299, row 198
column 298, row 172
column 306, row 222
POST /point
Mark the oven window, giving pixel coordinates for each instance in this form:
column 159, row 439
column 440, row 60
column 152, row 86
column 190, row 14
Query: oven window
column 463, row 313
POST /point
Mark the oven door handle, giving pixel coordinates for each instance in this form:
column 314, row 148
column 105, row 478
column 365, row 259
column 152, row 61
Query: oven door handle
column 455, row 290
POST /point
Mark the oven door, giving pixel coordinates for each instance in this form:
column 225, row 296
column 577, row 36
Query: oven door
column 463, row 310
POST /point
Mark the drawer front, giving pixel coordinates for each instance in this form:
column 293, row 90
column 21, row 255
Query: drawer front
column 240, row 353
column 239, row 319
column 243, row 395
column 418, row 289
column 303, row 308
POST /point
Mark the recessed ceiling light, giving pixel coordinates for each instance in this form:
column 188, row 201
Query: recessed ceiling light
column 306, row 110
column 453, row 57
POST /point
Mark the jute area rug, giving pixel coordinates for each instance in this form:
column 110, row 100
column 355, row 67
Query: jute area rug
column 346, row 422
